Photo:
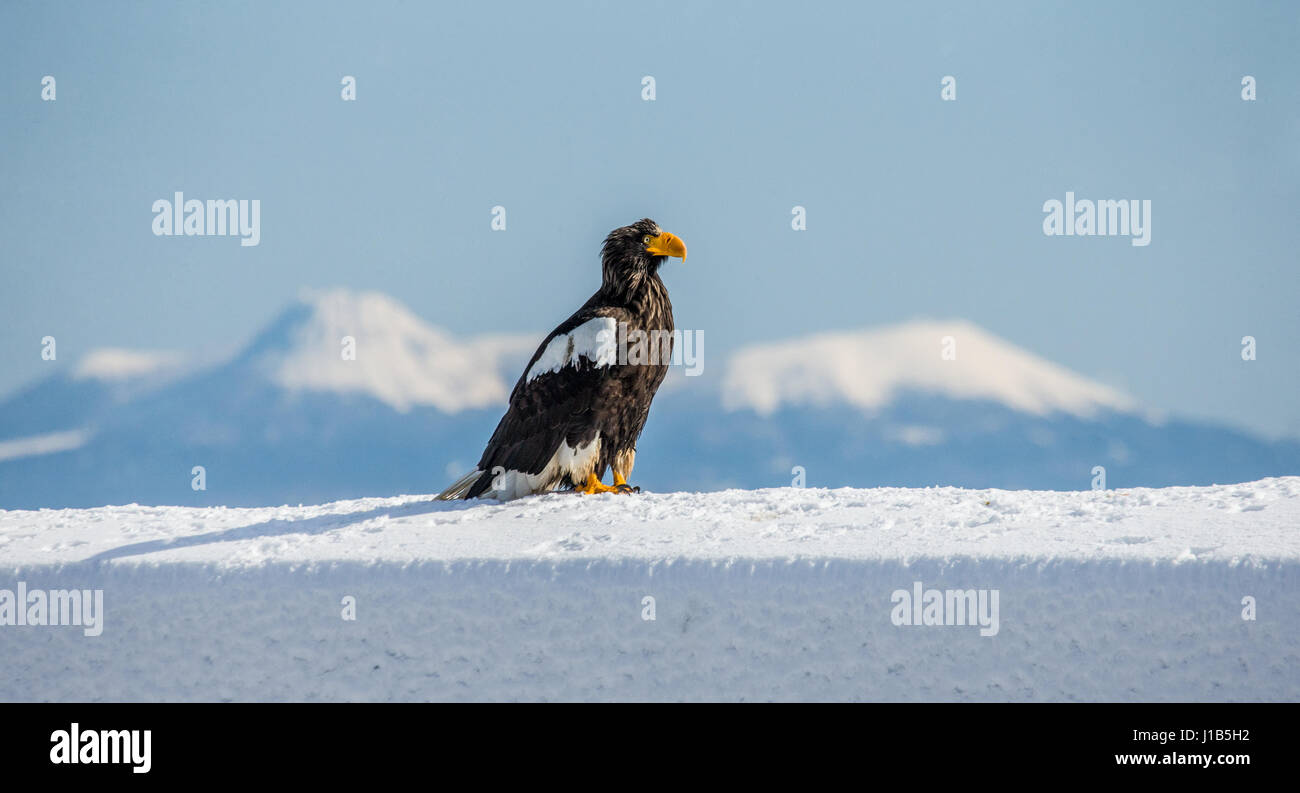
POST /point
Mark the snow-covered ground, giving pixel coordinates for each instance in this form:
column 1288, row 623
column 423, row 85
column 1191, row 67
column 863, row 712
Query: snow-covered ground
column 755, row 595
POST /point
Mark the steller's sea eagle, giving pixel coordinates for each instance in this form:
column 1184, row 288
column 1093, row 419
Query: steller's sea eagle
column 583, row 398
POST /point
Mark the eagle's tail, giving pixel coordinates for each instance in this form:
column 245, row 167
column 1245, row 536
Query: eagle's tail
column 460, row 487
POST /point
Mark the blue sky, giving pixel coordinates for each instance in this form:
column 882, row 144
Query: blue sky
column 916, row 207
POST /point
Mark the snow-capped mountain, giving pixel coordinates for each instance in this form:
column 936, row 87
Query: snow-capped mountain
column 310, row 349
column 350, row 394
column 369, row 344
column 871, row 369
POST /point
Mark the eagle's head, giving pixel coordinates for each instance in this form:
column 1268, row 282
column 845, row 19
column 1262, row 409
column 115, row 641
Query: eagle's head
column 632, row 252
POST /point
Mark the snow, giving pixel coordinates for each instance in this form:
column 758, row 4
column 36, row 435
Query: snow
column 596, row 340
column 115, row 364
column 405, row 362
column 399, row 359
column 771, row 594
column 868, row 369
column 1232, row 524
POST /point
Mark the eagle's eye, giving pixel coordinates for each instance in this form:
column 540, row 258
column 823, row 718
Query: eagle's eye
column 645, row 240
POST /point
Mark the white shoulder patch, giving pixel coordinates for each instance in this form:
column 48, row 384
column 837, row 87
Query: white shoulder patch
column 596, row 340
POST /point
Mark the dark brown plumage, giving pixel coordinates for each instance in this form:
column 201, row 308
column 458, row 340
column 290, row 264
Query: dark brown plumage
column 582, row 401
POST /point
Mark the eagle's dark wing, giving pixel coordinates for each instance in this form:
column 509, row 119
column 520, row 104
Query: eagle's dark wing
column 553, row 407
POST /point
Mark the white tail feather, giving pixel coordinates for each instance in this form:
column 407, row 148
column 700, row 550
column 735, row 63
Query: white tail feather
column 460, row 487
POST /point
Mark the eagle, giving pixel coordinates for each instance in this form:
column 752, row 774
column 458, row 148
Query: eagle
column 582, row 401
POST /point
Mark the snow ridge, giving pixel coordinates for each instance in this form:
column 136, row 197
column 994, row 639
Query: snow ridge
column 1183, row 594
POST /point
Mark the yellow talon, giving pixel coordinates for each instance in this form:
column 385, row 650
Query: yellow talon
column 594, row 485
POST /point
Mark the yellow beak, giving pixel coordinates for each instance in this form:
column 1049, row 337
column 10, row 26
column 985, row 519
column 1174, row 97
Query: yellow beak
column 667, row 245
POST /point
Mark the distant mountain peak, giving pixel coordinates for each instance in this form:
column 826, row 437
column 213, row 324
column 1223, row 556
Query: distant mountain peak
column 116, row 364
column 391, row 354
column 868, row 369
